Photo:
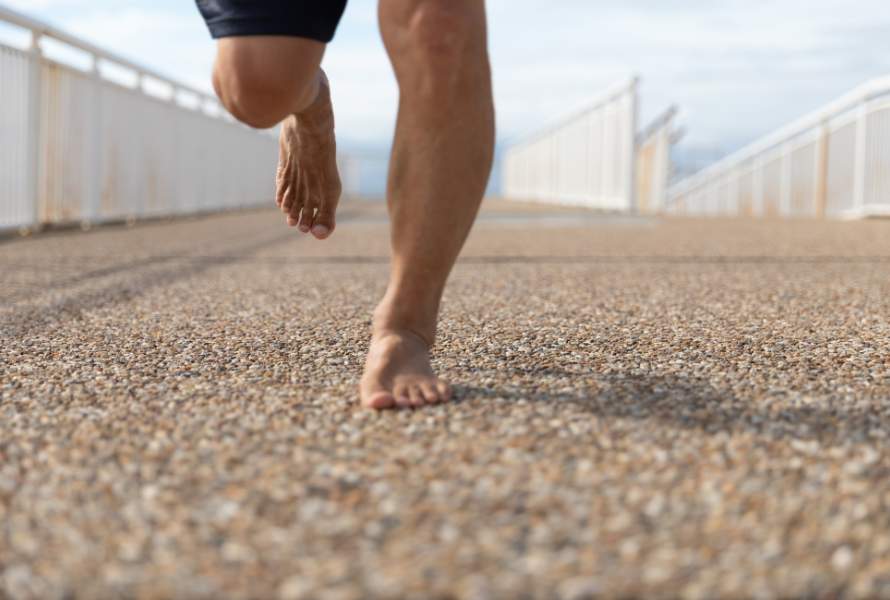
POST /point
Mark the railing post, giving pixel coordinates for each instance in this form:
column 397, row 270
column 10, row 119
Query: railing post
column 35, row 109
column 822, row 157
column 860, row 168
column 603, row 154
column 631, row 168
column 91, row 214
column 786, row 184
column 661, row 175
column 554, row 195
column 735, row 203
column 757, row 177
column 555, row 188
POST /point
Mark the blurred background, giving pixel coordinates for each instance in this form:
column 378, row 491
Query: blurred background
column 736, row 70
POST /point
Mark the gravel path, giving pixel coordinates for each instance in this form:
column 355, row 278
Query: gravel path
column 679, row 408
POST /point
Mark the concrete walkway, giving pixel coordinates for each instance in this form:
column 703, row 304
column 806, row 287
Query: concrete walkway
column 679, row 408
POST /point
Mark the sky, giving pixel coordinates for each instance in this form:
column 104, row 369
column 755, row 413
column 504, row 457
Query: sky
column 737, row 69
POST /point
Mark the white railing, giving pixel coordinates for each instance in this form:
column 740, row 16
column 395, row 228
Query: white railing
column 834, row 162
column 654, row 163
column 78, row 146
column 588, row 159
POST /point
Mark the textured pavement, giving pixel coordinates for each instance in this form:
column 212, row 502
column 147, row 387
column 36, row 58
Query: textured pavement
column 661, row 408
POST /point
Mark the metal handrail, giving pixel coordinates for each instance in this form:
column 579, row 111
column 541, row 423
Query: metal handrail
column 40, row 29
column 658, row 123
column 45, row 91
column 530, row 171
column 873, row 88
column 616, row 91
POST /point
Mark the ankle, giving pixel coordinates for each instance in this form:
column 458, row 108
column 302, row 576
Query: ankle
column 318, row 114
column 390, row 337
column 389, row 319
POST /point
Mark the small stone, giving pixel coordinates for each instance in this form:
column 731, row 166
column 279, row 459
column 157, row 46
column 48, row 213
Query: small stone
column 842, row 559
column 296, row 587
column 580, row 588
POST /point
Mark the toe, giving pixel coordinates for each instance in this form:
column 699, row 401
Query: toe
column 402, row 395
column 374, row 394
column 430, row 393
column 280, row 189
column 287, row 198
column 290, row 186
column 323, row 224
column 380, row 401
column 325, row 220
column 284, row 182
column 299, row 202
column 305, row 222
column 444, row 391
column 307, row 215
column 309, row 209
column 416, row 396
column 321, row 232
column 293, row 213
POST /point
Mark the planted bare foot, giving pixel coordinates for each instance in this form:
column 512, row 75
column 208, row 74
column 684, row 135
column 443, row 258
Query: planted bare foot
column 398, row 373
column 308, row 182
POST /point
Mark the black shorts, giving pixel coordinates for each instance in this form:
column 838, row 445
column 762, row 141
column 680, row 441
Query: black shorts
column 313, row 19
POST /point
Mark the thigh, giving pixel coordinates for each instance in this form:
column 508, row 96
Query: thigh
column 312, row 19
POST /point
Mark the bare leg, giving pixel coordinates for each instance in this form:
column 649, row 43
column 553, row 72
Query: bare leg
column 264, row 80
column 441, row 162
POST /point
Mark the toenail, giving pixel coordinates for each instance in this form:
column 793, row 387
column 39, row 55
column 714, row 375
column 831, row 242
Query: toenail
column 320, row 230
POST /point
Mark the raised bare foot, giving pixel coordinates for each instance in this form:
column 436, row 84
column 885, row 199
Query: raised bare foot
column 308, row 183
column 398, row 373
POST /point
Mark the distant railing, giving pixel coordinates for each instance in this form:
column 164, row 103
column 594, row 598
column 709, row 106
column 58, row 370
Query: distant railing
column 653, row 167
column 77, row 145
column 587, row 159
column 834, row 162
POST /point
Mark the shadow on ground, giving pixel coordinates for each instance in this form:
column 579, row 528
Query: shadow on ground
column 695, row 404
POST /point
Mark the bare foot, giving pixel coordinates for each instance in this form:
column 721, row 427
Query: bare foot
column 308, row 183
column 398, row 373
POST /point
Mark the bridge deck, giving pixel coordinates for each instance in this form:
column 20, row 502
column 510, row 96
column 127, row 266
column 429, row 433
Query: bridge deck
column 677, row 407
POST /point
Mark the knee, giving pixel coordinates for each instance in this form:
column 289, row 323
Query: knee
column 258, row 99
column 258, row 92
column 437, row 41
column 440, row 31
